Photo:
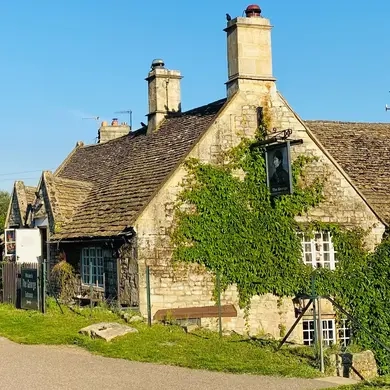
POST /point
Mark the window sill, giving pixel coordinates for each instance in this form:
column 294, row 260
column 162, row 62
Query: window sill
column 94, row 287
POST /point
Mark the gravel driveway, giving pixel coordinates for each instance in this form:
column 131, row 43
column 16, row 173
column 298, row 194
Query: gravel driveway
column 46, row 367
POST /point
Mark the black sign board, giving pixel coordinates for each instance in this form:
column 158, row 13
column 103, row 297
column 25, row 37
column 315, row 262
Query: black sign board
column 29, row 289
column 278, row 164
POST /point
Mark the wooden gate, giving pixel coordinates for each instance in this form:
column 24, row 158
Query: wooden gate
column 10, row 281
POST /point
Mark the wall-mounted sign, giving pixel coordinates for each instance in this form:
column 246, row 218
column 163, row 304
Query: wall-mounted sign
column 29, row 289
column 10, row 242
column 278, row 165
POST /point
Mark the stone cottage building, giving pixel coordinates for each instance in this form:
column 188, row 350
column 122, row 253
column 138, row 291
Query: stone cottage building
column 109, row 206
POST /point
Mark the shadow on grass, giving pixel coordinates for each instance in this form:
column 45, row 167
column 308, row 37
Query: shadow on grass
column 76, row 312
column 304, row 353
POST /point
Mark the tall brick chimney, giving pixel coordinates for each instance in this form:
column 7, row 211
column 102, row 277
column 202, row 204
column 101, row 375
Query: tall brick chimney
column 107, row 132
column 249, row 50
column 164, row 93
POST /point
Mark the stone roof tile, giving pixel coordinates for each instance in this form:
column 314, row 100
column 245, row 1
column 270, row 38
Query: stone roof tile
column 126, row 172
column 363, row 152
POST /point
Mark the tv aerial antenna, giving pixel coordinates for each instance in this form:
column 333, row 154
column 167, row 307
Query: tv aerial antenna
column 96, row 118
column 130, row 113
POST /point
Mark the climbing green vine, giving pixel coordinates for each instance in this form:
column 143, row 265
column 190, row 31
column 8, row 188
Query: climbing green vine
column 227, row 221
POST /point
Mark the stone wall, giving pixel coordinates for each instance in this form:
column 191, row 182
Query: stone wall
column 183, row 286
column 342, row 203
column 358, row 366
column 128, row 279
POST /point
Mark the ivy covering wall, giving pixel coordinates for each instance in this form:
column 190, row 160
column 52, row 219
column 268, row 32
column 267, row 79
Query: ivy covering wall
column 227, row 221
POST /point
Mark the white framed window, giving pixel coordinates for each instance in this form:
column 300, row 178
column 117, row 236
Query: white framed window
column 308, row 332
column 318, row 250
column 344, row 332
column 328, row 332
column 92, row 266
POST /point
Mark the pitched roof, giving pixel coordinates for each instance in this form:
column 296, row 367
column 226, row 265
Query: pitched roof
column 126, row 172
column 24, row 196
column 362, row 150
column 65, row 196
column 30, row 194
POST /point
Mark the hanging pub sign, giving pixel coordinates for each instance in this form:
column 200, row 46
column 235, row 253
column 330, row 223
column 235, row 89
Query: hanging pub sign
column 278, row 165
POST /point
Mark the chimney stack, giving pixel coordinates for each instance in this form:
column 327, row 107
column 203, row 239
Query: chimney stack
column 163, row 92
column 114, row 130
column 249, row 50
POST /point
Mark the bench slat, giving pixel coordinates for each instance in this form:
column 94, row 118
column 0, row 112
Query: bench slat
column 196, row 312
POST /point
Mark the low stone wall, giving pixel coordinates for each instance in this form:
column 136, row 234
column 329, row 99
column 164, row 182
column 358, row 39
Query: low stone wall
column 358, row 366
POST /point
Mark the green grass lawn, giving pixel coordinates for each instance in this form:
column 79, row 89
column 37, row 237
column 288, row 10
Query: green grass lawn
column 380, row 383
column 158, row 344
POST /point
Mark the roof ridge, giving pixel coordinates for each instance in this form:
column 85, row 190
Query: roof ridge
column 216, row 102
column 345, row 122
column 79, row 144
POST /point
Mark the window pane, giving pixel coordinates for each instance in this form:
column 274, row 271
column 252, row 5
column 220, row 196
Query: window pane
column 318, row 251
column 308, row 332
column 92, row 266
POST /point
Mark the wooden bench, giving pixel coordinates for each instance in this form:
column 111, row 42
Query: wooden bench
column 195, row 312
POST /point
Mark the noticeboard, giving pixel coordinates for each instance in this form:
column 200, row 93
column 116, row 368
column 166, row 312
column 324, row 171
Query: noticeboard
column 29, row 289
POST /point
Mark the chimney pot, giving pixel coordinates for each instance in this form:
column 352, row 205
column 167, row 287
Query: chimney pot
column 253, row 10
column 157, row 63
column 114, row 122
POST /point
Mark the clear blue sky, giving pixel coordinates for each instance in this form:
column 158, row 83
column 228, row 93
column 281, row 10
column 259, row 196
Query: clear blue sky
column 67, row 59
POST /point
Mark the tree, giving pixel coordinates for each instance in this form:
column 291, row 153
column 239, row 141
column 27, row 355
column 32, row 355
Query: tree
column 4, row 203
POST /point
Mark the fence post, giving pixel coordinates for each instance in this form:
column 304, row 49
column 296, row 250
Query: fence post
column 219, row 304
column 320, row 337
column 43, row 285
column 90, row 284
column 314, row 297
column 149, row 305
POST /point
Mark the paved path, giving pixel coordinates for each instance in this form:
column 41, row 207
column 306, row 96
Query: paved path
column 40, row 367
